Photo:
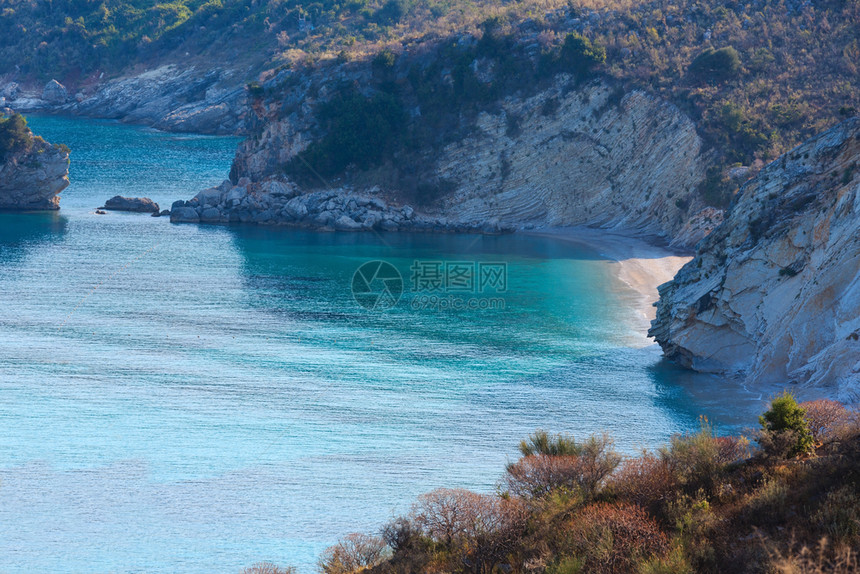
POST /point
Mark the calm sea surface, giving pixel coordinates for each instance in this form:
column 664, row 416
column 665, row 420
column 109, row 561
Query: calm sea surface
column 181, row 398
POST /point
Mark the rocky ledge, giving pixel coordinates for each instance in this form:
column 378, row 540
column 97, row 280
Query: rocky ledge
column 280, row 203
column 32, row 177
column 773, row 294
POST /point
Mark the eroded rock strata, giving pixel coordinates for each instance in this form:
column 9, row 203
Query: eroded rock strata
column 773, row 294
column 599, row 158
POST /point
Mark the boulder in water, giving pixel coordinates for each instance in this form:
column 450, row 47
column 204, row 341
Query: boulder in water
column 135, row 204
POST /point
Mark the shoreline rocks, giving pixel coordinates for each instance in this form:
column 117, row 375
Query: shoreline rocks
column 276, row 202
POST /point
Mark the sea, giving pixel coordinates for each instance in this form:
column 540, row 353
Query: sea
column 193, row 398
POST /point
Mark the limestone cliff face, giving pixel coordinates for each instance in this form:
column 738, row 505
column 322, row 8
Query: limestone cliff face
column 561, row 157
column 773, row 294
column 32, row 179
column 634, row 163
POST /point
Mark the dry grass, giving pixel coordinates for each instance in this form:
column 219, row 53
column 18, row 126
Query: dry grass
column 824, row 559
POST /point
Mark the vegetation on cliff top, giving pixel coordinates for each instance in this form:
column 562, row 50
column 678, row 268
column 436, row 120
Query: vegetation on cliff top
column 757, row 76
column 15, row 136
column 703, row 503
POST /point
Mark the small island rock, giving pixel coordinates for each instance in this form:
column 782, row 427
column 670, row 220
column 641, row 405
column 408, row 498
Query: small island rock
column 134, row 204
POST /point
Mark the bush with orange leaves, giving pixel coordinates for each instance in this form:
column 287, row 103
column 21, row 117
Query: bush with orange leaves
column 580, row 468
column 615, row 538
column 354, row 552
column 477, row 530
column 825, row 417
column 647, row 481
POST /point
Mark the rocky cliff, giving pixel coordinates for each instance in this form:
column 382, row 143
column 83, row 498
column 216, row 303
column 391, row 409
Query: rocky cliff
column 170, row 98
column 591, row 155
column 31, row 178
column 773, row 294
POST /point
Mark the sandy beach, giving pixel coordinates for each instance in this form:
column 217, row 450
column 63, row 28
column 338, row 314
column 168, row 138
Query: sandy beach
column 640, row 266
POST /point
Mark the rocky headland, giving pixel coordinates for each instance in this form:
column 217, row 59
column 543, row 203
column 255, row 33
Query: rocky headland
column 32, row 171
column 168, row 97
column 773, row 294
column 589, row 156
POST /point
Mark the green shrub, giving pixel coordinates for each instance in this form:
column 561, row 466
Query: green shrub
column 256, row 89
column 698, row 460
column 716, row 65
column 359, row 131
column 716, row 189
column 15, row 136
column 787, row 420
column 542, row 442
column 390, row 13
column 578, row 56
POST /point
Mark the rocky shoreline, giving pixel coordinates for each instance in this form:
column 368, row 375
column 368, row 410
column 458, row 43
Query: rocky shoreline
column 281, row 203
column 169, row 98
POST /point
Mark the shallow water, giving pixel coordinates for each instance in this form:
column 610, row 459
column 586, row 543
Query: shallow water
column 195, row 399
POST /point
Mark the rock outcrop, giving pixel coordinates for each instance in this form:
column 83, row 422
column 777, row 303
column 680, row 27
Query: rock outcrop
column 31, row 178
column 601, row 159
column 55, row 93
column 169, row 98
column 134, row 204
column 597, row 157
column 773, row 294
column 279, row 203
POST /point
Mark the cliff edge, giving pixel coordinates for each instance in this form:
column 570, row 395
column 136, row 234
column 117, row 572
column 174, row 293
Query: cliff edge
column 561, row 156
column 32, row 171
column 773, row 294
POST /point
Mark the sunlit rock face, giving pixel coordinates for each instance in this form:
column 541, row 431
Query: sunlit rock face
column 567, row 155
column 33, row 179
column 773, row 294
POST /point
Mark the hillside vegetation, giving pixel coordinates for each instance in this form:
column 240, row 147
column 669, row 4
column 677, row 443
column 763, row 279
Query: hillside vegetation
column 703, row 503
column 15, row 136
column 757, row 76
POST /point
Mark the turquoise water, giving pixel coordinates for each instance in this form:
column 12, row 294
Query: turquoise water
column 179, row 398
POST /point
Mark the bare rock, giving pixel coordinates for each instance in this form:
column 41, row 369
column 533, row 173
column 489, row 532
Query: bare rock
column 346, row 223
column 773, row 294
column 33, row 177
column 55, row 93
column 184, row 215
column 134, row 204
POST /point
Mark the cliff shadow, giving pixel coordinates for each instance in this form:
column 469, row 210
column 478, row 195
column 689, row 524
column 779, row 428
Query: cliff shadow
column 21, row 231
